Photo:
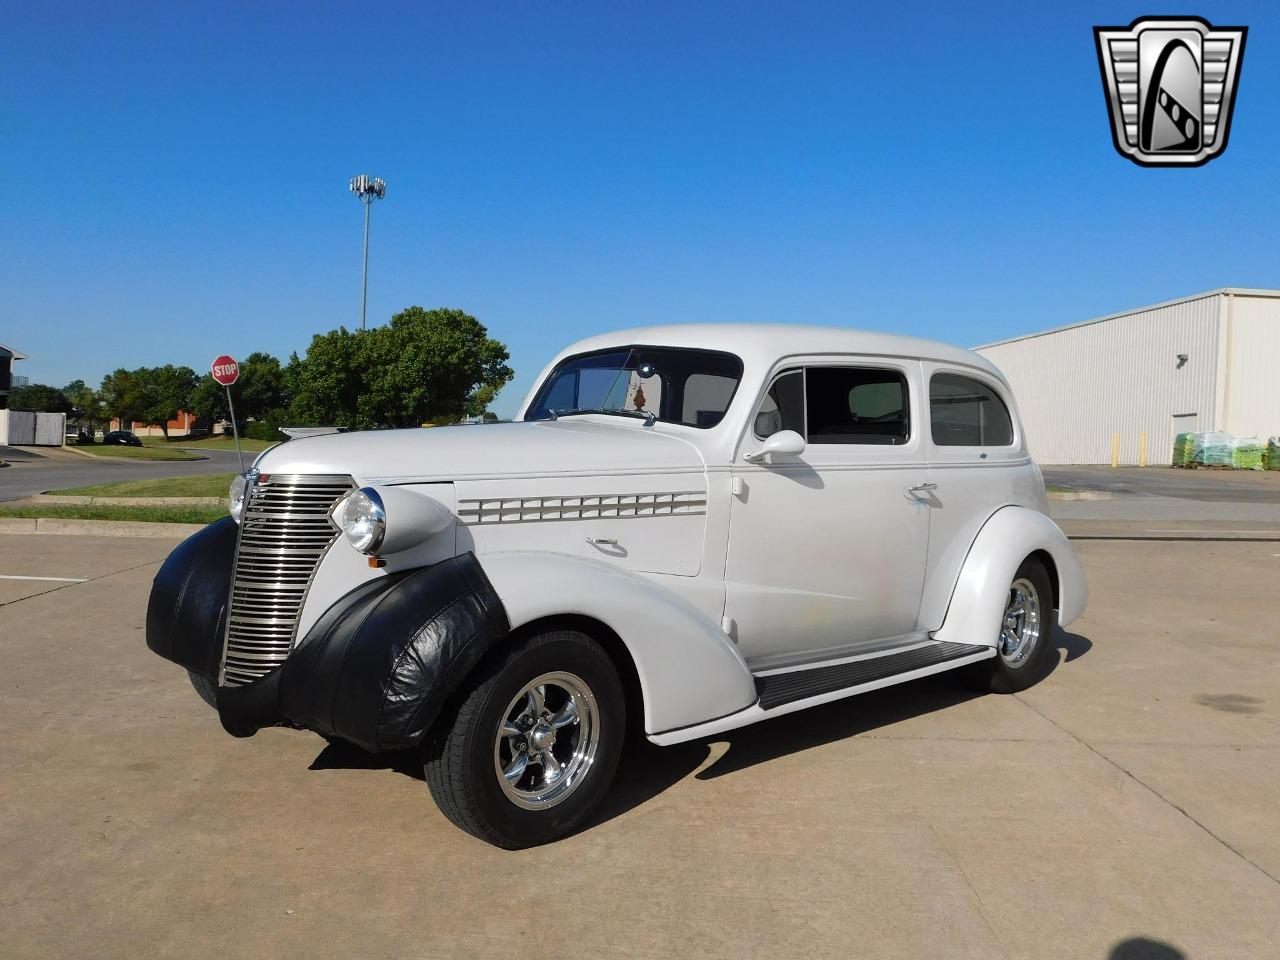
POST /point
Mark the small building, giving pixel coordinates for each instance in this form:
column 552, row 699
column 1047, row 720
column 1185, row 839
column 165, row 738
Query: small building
column 7, row 379
column 179, row 426
column 1205, row 362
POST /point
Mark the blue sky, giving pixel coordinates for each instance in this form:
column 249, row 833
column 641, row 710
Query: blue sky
column 176, row 179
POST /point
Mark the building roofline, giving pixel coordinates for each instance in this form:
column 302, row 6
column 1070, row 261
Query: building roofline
column 1241, row 291
column 14, row 354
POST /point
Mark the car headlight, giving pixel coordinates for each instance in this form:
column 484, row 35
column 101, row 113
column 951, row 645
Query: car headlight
column 364, row 520
column 236, row 495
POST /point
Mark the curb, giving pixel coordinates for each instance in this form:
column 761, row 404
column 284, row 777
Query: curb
column 78, row 452
column 1079, row 495
column 50, row 499
column 97, row 528
column 109, row 459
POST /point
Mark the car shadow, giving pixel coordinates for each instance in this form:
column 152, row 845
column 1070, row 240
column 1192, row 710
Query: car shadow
column 340, row 755
column 645, row 771
column 1143, row 948
column 1071, row 647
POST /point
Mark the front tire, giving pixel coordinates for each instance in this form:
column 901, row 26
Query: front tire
column 1026, row 634
column 533, row 742
column 205, row 688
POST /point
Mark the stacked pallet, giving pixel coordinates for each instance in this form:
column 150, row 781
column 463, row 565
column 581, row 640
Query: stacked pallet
column 1217, row 449
column 1271, row 456
column 1182, row 449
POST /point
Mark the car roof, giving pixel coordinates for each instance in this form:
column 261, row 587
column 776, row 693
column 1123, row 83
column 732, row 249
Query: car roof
column 760, row 344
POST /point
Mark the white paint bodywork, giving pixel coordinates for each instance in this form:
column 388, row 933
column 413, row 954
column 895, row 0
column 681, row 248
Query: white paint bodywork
column 710, row 568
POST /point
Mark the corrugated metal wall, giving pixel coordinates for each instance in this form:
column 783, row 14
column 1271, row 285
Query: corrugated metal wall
column 1076, row 387
column 1251, row 384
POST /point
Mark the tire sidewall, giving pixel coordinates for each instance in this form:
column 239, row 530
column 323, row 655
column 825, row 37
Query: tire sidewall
column 562, row 651
column 1010, row 679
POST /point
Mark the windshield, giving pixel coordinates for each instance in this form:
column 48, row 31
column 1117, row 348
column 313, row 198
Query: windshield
column 692, row 387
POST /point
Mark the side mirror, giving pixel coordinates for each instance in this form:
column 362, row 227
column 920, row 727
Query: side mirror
column 785, row 443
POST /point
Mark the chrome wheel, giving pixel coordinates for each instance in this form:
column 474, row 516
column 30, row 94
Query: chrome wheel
column 546, row 741
column 1020, row 629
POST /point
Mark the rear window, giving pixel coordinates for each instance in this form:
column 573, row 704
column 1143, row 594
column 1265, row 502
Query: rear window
column 965, row 412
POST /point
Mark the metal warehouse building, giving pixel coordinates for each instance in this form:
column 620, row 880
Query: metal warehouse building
column 1205, row 362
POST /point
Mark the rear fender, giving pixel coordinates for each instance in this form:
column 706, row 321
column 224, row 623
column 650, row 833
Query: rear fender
column 1005, row 540
column 689, row 670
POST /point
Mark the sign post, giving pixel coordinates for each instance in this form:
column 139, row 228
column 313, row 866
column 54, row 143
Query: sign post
column 226, row 371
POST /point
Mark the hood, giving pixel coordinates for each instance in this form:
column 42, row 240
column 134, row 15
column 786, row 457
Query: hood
column 567, row 447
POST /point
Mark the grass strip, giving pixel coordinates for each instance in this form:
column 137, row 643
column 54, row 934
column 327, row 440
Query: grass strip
column 209, row 443
column 107, row 512
column 209, row 485
column 140, row 453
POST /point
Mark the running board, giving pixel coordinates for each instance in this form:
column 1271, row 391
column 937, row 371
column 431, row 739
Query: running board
column 800, row 689
column 777, row 689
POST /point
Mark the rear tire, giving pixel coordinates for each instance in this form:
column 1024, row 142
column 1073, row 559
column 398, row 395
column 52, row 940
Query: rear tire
column 1026, row 634
column 531, row 744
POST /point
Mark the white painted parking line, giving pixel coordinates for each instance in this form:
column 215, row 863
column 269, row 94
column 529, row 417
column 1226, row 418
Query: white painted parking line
column 54, row 579
column 1193, row 533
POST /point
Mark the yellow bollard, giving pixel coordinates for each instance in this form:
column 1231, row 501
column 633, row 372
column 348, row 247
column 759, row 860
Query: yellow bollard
column 1142, row 449
column 1115, row 450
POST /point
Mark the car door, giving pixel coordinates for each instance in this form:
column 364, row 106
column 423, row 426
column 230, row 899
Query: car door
column 827, row 549
column 978, row 463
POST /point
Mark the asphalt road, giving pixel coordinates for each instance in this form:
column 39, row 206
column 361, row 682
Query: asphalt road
column 31, row 471
column 1205, row 486
column 1125, row 807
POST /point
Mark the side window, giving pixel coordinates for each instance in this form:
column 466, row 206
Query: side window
column 856, row 405
column 783, row 406
column 706, row 398
column 967, row 413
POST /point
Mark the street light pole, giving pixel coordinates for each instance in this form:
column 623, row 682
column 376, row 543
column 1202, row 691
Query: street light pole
column 367, row 189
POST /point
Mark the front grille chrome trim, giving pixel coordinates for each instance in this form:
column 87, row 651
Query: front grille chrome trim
column 285, row 531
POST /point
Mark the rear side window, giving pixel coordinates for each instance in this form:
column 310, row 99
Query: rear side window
column 967, row 413
column 856, row 405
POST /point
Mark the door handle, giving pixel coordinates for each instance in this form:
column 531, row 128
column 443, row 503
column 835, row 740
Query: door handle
column 602, row 542
column 919, row 492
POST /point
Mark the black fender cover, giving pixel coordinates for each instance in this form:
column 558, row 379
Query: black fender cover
column 186, row 615
column 378, row 666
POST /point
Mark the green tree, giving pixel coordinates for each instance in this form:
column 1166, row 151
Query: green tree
column 209, row 401
column 259, row 391
column 150, row 395
column 425, row 366
column 167, row 390
column 430, row 366
column 123, row 397
column 39, row 397
column 327, row 383
column 86, row 405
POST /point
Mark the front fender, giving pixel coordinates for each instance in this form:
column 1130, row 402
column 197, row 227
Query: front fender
column 378, row 665
column 689, row 670
column 1005, row 540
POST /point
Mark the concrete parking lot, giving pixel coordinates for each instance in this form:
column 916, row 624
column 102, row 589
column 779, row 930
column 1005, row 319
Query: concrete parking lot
column 1126, row 807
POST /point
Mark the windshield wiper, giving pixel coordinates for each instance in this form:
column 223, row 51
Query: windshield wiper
column 648, row 417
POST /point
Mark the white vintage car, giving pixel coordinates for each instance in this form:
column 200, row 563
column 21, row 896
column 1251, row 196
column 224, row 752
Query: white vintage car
column 688, row 529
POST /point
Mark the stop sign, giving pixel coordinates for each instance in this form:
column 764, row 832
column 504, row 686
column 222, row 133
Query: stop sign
column 225, row 370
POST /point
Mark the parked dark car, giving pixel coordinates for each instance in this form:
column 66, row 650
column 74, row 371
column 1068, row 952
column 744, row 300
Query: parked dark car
column 122, row 438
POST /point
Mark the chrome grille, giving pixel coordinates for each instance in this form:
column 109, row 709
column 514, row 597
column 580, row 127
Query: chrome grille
column 284, row 533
